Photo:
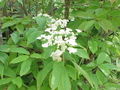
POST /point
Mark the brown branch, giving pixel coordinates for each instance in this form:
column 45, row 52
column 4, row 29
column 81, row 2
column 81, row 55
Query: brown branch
column 23, row 8
column 67, row 7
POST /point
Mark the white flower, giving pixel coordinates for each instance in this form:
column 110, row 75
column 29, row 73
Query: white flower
column 40, row 14
column 78, row 30
column 39, row 37
column 48, row 29
column 72, row 42
column 72, row 50
column 45, row 45
column 46, row 15
column 57, row 55
column 42, row 36
column 59, row 35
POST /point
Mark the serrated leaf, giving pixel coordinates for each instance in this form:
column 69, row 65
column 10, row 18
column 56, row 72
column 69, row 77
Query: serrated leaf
column 4, row 48
column 11, row 87
column 111, row 85
column 42, row 74
column 1, row 70
column 58, row 79
column 3, row 57
column 106, row 25
column 41, row 21
column 10, row 23
column 20, row 1
column 82, row 53
column 5, row 81
column 83, row 72
column 20, row 58
column 9, row 72
column 15, row 37
column 86, row 25
column 19, row 50
column 20, row 28
column 71, row 72
column 103, row 57
column 84, row 15
column 64, row 82
column 104, row 69
column 17, row 81
column 25, row 67
column 32, row 88
column 32, row 35
column 101, row 77
column 93, row 46
column 47, row 52
column 36, row 55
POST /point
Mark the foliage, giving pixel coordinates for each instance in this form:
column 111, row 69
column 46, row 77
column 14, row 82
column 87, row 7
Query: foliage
column 26, row 65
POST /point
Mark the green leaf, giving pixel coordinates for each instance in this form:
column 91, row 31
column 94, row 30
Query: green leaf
column 93, row 46
column 64, row 82
column 101, row 77
column 104, row 69
column 11, row 23
column 47, row 52
column 5, row 81
column 86, row 25
column 32, row 35
column 43, row 74
column 9, row 72
column 25, row 67
column 17, row 81
column 84, row 15
column 36, row 55
column 103, row 57
column 83, row 72
column 60, row 78
column 4, row 48
column 106, row 25
column 41, row 21
column 20, row 1
column 11, row 87
column 19, row 50
column 111, row 85
column 3, row 57
column 20, row 58
column 20, row 28
column 32, row 88
column 15, row 37
column 71, row 72
column 1, row 70
column 82, row 53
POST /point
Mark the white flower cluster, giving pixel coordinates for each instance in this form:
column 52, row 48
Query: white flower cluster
column 58, row 34
column 45, row 15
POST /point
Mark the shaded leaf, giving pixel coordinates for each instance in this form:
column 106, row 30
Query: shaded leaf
column 36, row 55
column 17, row 81
column 106, row 25
column 11, row 87
column 83, row 72
column 15, row 37
column 103, row 57
column 82, row 53
column 71, row 72
column 58, row 79
column 86, row 25
column 3, row 57
column 5, row 81
column 43, row 74
column 93, row 46
column 25, row 67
